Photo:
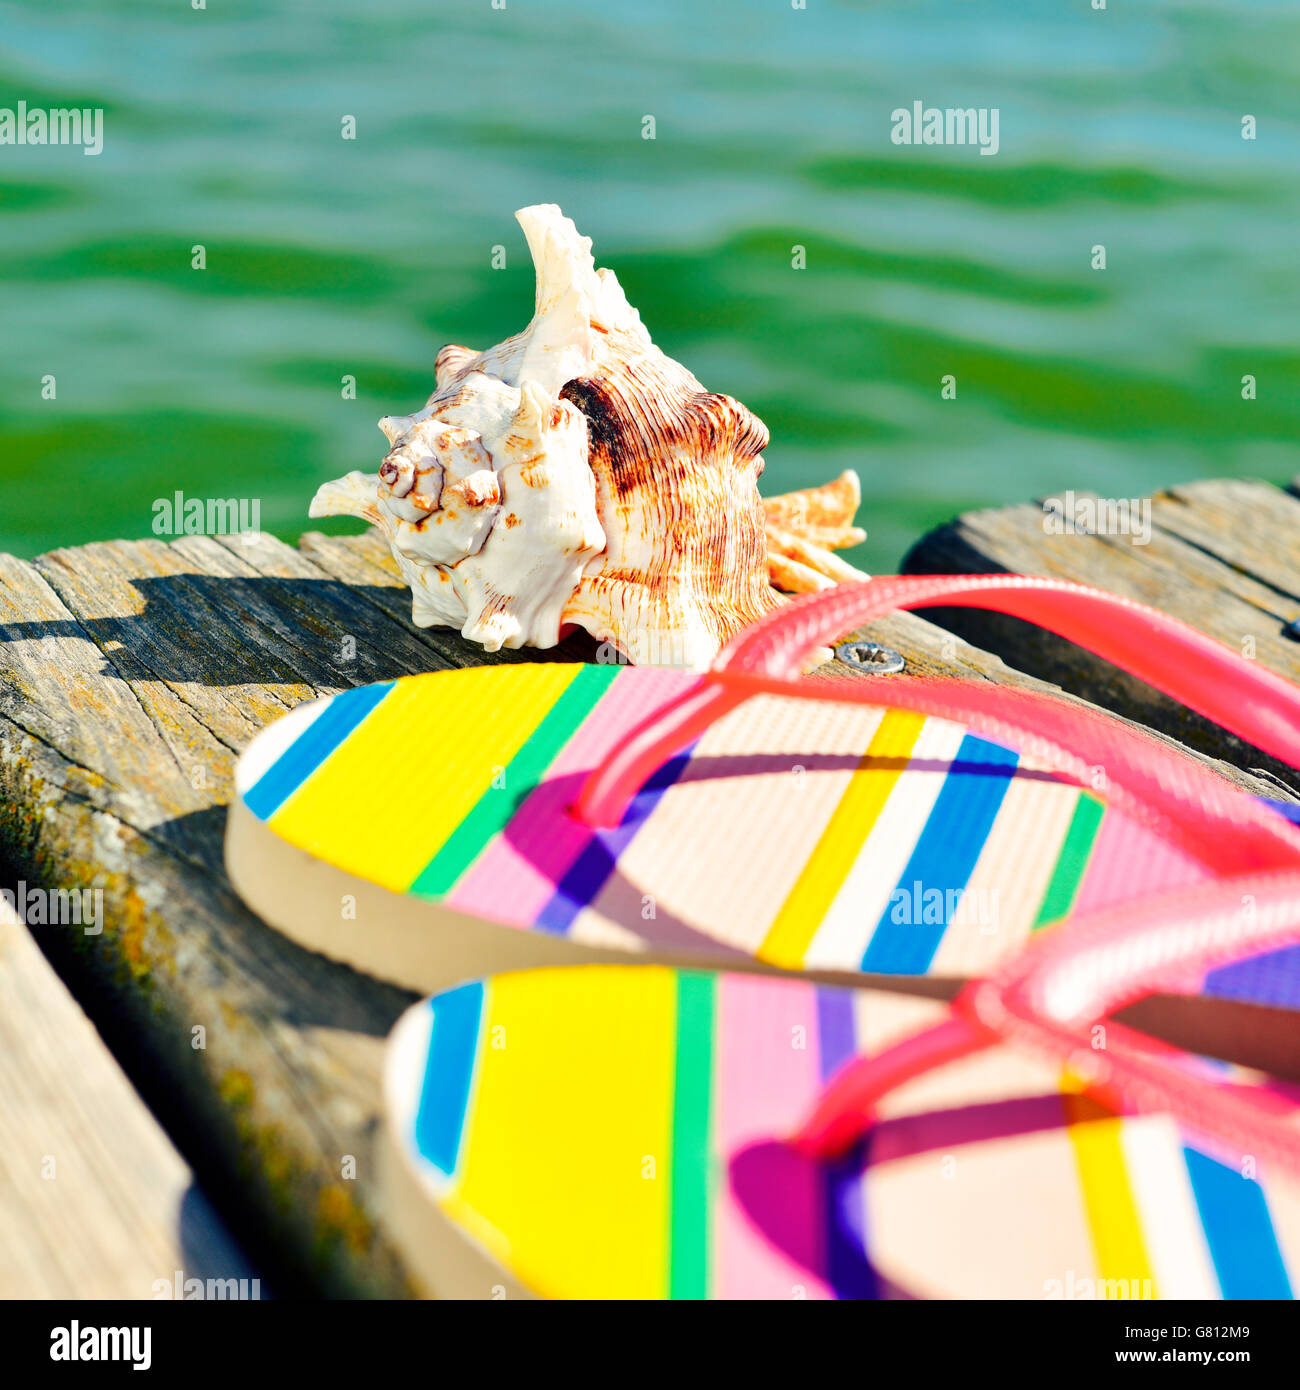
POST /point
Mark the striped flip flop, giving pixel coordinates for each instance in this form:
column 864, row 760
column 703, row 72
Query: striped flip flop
column 443, row 827
column 613, row 1132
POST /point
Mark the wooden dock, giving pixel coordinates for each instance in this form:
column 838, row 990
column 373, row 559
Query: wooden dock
column 133, row 673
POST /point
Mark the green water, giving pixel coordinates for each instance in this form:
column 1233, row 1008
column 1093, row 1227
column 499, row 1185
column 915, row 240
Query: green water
column 329, row 257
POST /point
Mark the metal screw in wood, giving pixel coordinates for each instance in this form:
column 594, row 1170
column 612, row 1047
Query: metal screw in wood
column 871, row 657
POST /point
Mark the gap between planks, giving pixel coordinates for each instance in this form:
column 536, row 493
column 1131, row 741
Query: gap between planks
column 95, row 1202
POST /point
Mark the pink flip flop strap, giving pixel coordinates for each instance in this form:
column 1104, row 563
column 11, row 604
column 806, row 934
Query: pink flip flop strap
column 1047, row 997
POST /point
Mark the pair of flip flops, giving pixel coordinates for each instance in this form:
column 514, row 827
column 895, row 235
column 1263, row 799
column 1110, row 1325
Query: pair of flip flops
column 680, row 931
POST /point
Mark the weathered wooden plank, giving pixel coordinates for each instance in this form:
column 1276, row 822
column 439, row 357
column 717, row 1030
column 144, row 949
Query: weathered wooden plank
column 1223, row 556
column 111, row 776
column 95, row 1202
column 131, row 674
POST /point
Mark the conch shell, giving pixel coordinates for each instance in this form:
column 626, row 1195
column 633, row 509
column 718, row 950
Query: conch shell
column 575, row 475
